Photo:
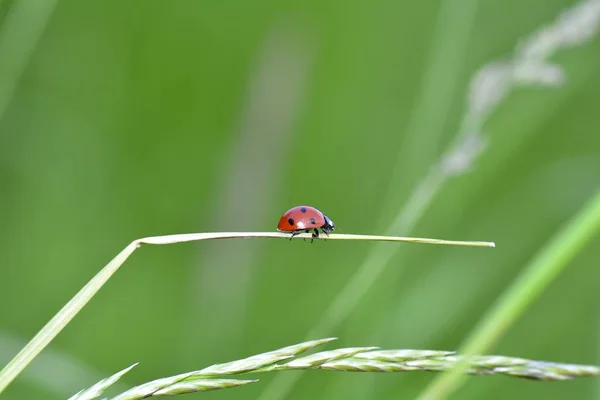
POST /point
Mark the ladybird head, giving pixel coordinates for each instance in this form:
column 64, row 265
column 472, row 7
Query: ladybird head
column 329, row 225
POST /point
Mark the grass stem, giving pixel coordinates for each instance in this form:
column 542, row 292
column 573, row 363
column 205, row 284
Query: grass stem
column 69, row 310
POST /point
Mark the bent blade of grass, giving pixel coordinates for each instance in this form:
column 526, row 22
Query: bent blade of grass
column 542, row 270
column 68, row 312
column 190, row 237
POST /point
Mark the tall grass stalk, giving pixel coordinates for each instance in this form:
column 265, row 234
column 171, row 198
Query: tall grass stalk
column 20, row 34
column 574, row 26
column 351, row 359
column 489, row 87
column 542, row 270
column 66, row 314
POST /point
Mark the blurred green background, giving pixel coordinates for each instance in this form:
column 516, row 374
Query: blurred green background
column 120, row 120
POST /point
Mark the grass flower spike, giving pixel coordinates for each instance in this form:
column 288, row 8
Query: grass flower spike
column 353, row 359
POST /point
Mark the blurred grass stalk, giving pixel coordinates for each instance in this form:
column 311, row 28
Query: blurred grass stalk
column 433, row 102
column 488, row 88
column 275, row 97
column 574, row 26
column 19, row 36
column 68, row 312
column 542, row 270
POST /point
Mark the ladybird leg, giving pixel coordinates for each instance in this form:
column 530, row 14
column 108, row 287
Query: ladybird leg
column 314, row 235
column 293, row 234
column 306, row 231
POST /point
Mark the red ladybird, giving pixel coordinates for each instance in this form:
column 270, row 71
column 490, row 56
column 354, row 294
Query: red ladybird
column 305, row 219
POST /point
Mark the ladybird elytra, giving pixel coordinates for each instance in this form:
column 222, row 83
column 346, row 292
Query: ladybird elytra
column 305, row 219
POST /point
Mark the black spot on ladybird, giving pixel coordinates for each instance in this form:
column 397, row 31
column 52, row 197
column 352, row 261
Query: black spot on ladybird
column 291, row 221
column 312, row 221
column 303, row 209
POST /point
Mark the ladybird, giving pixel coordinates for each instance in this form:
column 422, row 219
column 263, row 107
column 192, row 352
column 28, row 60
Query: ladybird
column 305, row 219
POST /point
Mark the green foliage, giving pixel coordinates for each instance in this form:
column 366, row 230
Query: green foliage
column 124, row 120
